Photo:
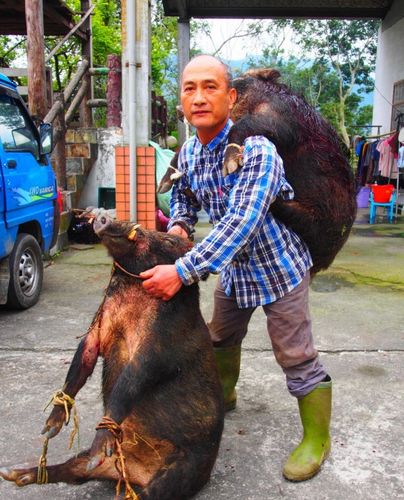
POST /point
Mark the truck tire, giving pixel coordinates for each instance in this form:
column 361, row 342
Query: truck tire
column 26, row 273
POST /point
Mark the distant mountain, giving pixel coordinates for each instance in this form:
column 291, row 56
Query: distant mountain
column 241, row 65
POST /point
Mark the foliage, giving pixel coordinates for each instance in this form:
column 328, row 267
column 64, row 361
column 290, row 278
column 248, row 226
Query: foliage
column 348, row 50
column 319, row 85
column 336, row 68
column 334, row 71
column 10, row 49
column 106, row 31
column 164, row 73
column 106, row 26
column 163, row 46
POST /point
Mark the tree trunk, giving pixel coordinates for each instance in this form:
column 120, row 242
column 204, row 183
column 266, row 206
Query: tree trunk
column 341, row 123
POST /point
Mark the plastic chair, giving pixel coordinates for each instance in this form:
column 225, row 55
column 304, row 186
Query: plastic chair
column 387, row 204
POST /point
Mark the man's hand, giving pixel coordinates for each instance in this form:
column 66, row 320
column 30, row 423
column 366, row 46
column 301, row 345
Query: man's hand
column 162, row 281
column 178, row 231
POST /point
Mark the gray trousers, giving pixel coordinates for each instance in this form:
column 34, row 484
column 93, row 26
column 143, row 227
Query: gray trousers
column 288, row 326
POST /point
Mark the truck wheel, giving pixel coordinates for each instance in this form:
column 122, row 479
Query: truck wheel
column 26, row 273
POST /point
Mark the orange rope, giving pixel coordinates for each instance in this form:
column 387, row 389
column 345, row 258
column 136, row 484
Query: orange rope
column 116, row 430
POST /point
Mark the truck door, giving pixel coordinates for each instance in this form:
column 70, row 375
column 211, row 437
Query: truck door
column 28, row 180
column 6, row 243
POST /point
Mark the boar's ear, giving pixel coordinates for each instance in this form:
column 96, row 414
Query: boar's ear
column 266, row 74
column 132, row 233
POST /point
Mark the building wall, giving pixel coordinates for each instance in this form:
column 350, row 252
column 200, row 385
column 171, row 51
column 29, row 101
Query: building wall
column 111, row 170
column 389, row 64
column 102, row 173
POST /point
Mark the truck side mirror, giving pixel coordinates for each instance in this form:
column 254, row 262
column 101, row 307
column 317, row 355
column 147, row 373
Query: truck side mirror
column 46, row 138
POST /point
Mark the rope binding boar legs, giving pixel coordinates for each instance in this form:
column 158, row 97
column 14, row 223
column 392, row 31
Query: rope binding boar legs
column 60, row 398
column 116, row 430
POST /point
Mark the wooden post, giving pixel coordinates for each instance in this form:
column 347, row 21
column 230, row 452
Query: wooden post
column 114, row 92
column 36, row 58
column 86, row 119
column 59, row 153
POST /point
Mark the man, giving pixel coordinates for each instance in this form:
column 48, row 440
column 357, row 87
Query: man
column 262, row 262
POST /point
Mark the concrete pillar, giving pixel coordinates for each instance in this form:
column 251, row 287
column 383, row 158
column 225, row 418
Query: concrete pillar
column 183, row 59
column 143, row 87
column 86, row 118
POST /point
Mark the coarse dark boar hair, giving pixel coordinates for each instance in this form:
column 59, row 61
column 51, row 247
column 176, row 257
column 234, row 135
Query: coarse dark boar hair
column 163, row 401
column 315, row 161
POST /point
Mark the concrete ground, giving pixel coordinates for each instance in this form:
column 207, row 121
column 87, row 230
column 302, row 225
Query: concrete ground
column 358, row 322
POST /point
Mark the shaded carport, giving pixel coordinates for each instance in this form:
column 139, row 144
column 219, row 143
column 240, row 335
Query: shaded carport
column 36, row 19
column 343, row 9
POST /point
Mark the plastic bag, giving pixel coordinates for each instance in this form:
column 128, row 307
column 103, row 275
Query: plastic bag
column 163, row 158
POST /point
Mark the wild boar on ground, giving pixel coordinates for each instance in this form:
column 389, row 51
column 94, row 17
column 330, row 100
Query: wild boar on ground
column 163, row 403
column 316, row 165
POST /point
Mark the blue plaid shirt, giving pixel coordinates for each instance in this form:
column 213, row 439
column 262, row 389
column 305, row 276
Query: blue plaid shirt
column 255, row 253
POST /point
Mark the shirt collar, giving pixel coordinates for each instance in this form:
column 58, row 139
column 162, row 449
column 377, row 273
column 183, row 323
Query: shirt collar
column 218, row 139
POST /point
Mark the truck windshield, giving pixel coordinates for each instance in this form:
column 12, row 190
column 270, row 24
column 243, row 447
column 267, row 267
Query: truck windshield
column 15, row 132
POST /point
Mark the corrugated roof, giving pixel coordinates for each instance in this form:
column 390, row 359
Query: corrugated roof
column 277, row 8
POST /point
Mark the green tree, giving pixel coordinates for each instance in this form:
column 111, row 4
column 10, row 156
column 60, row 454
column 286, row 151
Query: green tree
column 349, row 48
column 163, row 46
column 319, row 85
column 11, row 47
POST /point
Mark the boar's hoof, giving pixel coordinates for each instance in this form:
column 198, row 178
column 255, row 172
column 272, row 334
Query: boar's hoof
column 5, row 473
column 52, row 432
column 233, row 159
column 95, row 462
column 164, row 187
column 168, row 179
column 176, row 174
column 20, row 477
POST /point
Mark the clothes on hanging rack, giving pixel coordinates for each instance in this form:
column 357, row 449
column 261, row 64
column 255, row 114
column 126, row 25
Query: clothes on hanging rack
column 400, row 161
column 377, row 159
column 388, row 157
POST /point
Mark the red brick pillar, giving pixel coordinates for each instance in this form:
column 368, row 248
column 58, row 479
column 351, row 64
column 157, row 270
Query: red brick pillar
column 145, row 182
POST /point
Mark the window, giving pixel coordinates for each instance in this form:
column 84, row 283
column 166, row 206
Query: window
column 398, row 104
column 16, row 133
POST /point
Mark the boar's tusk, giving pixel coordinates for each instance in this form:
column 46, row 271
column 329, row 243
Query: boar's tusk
column 132, row 233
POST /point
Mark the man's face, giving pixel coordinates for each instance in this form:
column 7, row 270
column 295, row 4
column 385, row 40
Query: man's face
column 206, row 97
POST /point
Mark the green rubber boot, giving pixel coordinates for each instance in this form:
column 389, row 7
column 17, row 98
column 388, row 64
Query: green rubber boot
column 228, row 363
column 315, row 412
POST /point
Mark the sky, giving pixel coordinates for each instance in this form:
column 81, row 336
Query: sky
column 237, row 48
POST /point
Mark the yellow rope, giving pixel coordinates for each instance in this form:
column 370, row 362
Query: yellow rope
column 60, row 398
column 42, row 473
column 116, row 430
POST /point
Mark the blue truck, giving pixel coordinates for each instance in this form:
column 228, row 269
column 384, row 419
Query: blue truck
column 29, row 208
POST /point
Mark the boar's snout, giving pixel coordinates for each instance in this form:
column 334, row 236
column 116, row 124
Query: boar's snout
column 101, row 223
